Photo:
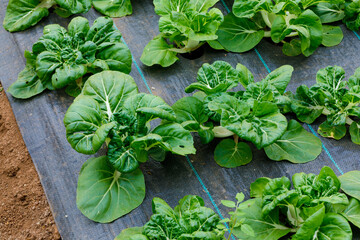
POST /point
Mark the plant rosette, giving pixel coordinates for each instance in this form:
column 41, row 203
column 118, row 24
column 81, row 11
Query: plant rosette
column 184, row 25
column 23, row 14
column 333, row 97
column 254, row 115
column 66, row 58
column 300, row 26
column 111, row 111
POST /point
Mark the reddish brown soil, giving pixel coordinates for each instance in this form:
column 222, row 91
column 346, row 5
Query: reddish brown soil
column 24, row 210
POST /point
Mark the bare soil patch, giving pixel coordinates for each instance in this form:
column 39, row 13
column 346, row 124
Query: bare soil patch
column 24, row 210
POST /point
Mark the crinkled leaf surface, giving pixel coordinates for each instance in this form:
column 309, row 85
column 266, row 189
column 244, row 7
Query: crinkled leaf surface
column 134, row 233
column 104, row 194
column 75, row 6
column 352, row 212
column 117, row 8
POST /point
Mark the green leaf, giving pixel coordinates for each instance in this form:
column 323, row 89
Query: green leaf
column 248, row 8
column 217, row 77
column 268, row 227
column 22, row 14
column 335, row 132
column 175, row 138
column 280, row 77
column 75, row 6
column 310, row 30
column 229, row 204
column 352, row 212
column 310, row 226
column 247, row 229
column 103, row 194
column 293, row 48
column 28, row 83
column 116, row 55
column 230, row 154
column 352, row 17
column 110, row 89
column 245, row 76
column 150, row 106
column 134, row 233
column 332, row 35
column 291, row 146
column 329, row 12
column 124, row 160
column 350, row 183
column 83, row 123
column 157, row 51
column 118, row 8
column 239, row 34
column 257, row 187
column 103, row 30
column 355, row 132
column 334, row 227
column 66, row 74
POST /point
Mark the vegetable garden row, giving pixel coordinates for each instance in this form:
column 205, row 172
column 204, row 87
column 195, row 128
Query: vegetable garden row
column 243, row 117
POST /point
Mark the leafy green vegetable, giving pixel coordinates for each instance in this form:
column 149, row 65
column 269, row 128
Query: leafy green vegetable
column 350, row 183
column 331, row 96
column 185, row 25
column 188, row 220
column 298, row 25
column 313, row 209
column 110, row 110
column 290, row 146
column 22, row 14
column 254, row 115
column 66, row 58
column 104, row 194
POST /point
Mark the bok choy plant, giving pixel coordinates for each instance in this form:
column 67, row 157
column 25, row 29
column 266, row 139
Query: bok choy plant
column 254, row 115
column 300, row 26
column 22, row 14
column 185, row 25
column 334, row 97
column 313, row 209
column 63, row 58
column 111, row 111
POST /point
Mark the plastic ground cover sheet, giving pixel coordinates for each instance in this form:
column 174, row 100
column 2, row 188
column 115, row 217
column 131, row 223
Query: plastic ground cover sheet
column 41, row 123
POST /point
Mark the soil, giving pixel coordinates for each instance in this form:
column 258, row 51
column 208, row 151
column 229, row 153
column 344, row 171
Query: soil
column 24, row 210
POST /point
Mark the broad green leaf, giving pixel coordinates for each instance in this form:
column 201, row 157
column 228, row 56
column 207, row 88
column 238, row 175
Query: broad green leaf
column 110, row 89
column 239, row 34
column 279, row 29
column 332, row 35
column 116, row 55
column 291, row 146
column 175, row 138
column 22, row 14
column 157, row 51
column 245, row 76
column 280, row 77
column 28, row 83
column 217, row 77
column 84, row 128
column 202, row 5
column 352, row 212
column 311, row 225
column 355, row 132
column 134, row 233
column 165, row 7
column 329, row 12
column 335, row 132
column 159, row 206
column 150, row 105
column 75, row 6
column 103, row 30
column 230, row 154
column 350, row 183
column 146, row 142
column 326, row 173
column 334, row 227
column 117, row 8
column 104, row 194
column 190, row 110
column 352, row 17
column 229, row 204
column 269, row 227
column 257, row 187
column 66, row 74
column 78, row 27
